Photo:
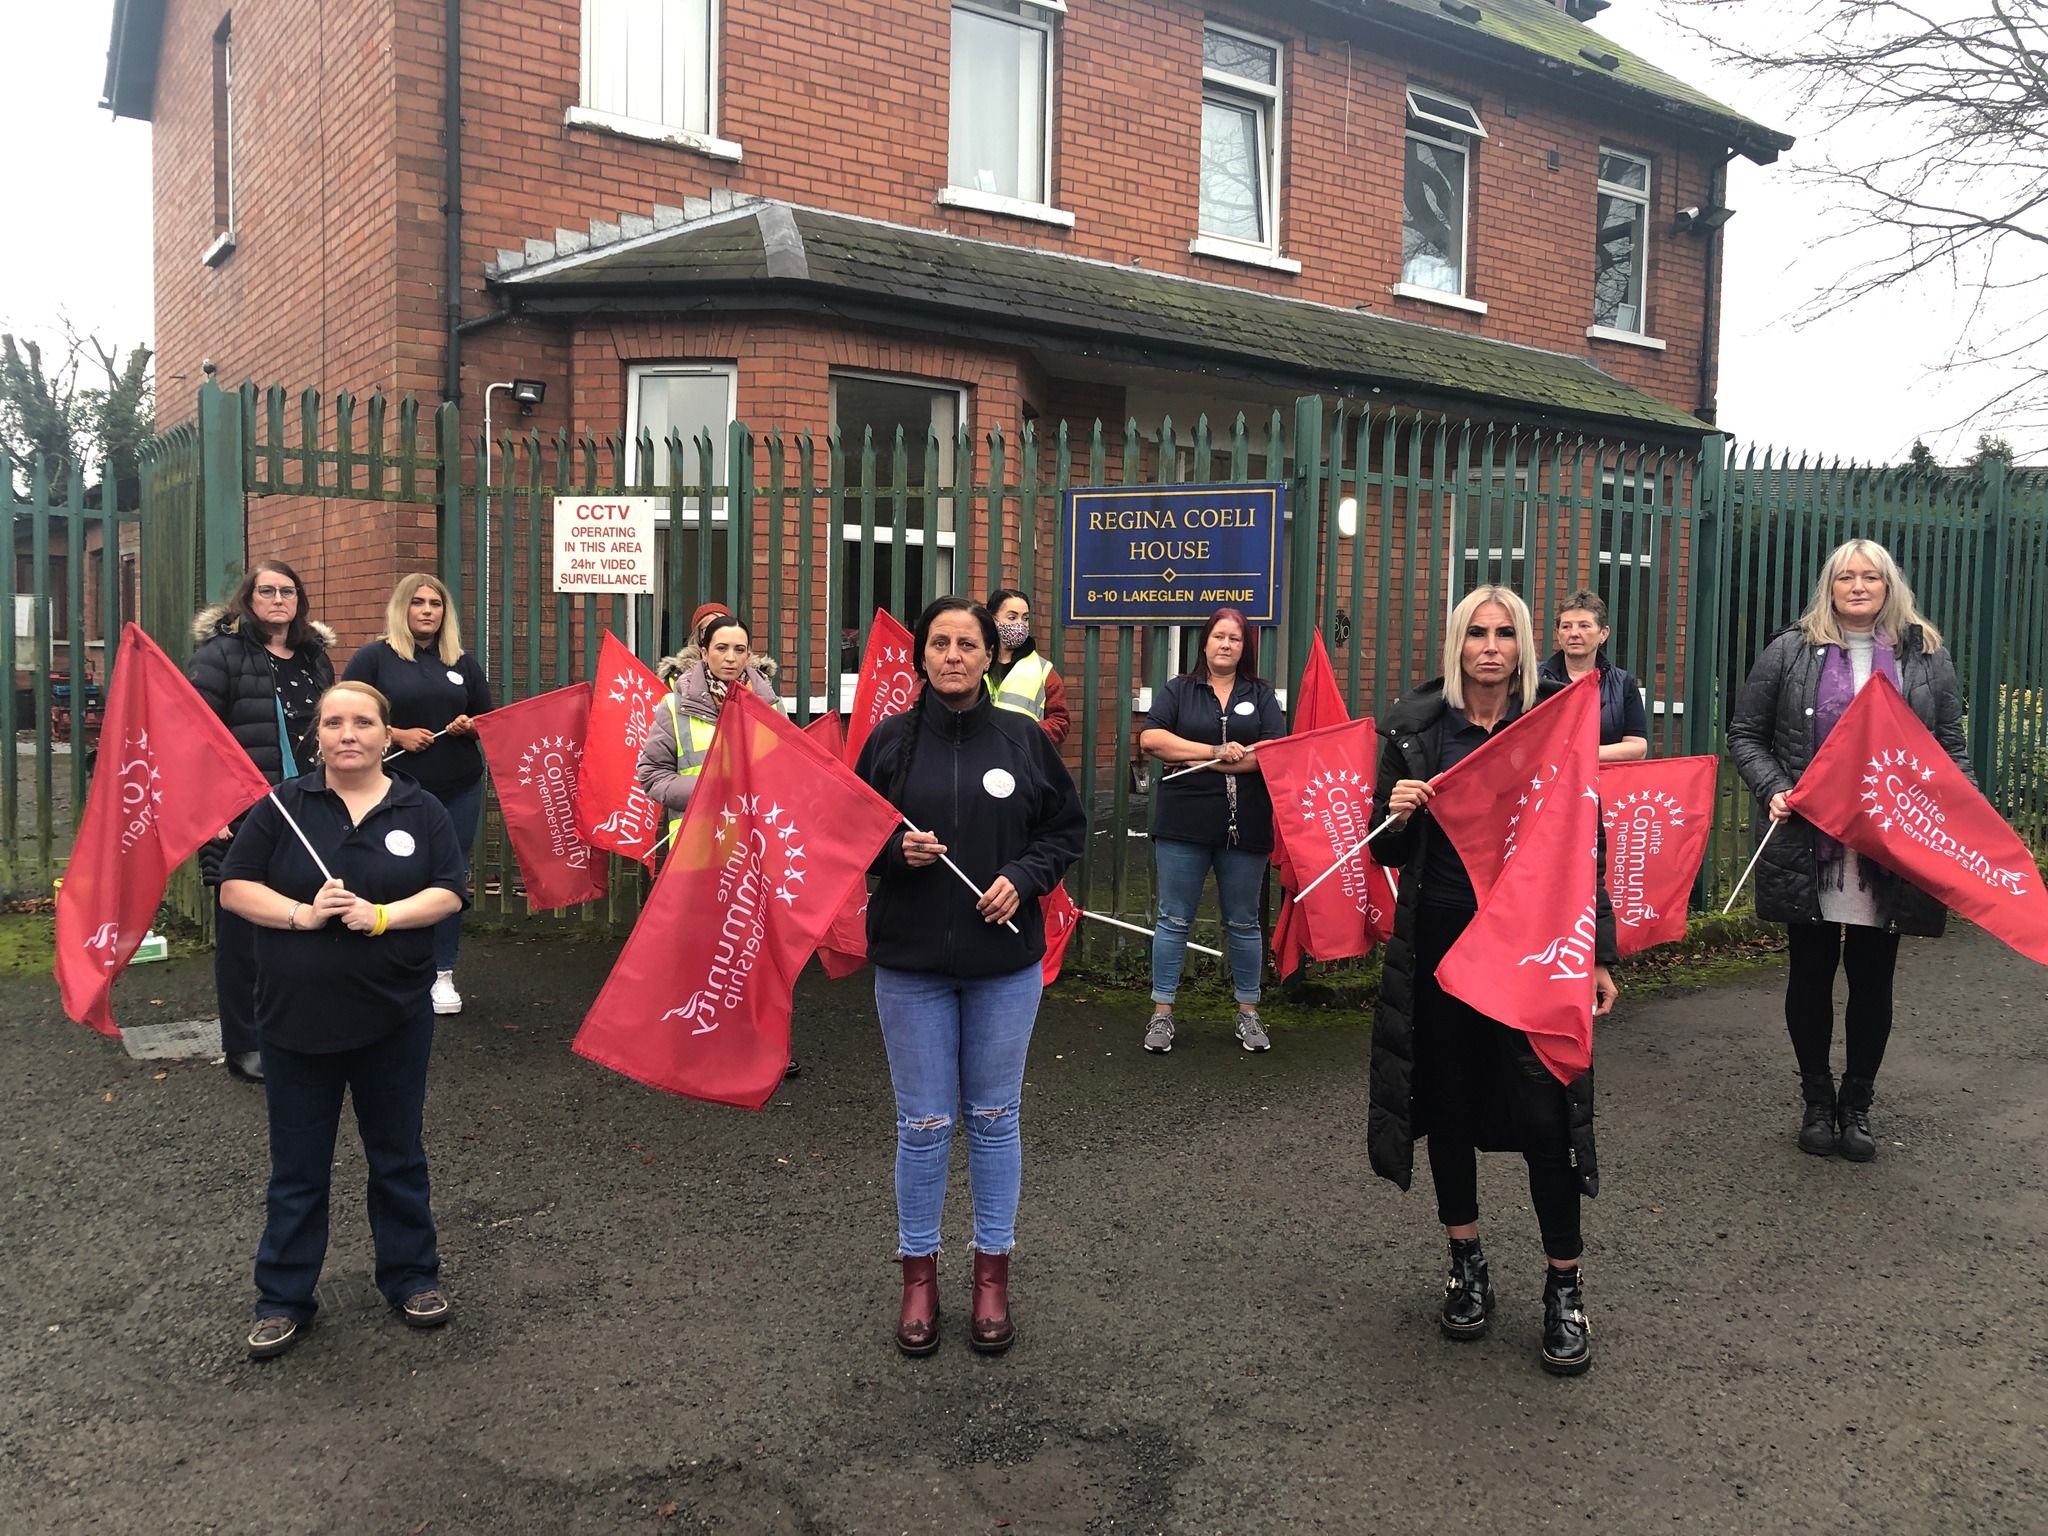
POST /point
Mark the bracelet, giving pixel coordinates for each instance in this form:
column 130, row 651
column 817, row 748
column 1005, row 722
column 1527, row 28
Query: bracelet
column 291, row 917
column 383, row 921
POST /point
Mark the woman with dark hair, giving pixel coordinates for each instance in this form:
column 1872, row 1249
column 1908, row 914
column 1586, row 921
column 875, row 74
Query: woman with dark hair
column 261, row 664
column 1019, row 678
column 1441, row 1068
column 1216, row 817
column 1841, row 911
column 957, row 979
column 720, row 656
column 1581, row 648
column 436, row 689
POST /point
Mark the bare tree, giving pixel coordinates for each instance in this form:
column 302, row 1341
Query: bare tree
column 47, row 412
column 1934, row 140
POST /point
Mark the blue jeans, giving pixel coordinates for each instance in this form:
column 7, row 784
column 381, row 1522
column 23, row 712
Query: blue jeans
column 388, row 1082
column 1183, row 869
column 464, row 806
column 955, row 1042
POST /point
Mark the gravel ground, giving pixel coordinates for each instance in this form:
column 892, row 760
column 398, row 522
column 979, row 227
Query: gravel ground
column 676, row 1318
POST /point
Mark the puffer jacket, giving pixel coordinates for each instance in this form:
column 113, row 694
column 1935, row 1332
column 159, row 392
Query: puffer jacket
column 660, row 768
column 231, row 670
column 1772, row 739
column 1394, row 1118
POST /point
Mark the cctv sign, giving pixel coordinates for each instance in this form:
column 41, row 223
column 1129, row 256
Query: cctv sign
column 605, row 543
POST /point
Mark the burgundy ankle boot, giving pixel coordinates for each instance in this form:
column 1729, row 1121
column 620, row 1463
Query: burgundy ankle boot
column 993, row 1331
column 917, row 1331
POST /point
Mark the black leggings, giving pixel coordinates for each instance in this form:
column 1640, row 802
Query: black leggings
column 1869, row 956
column 1553, row 1190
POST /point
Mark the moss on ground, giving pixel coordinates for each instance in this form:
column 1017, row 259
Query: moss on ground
column 28, row 942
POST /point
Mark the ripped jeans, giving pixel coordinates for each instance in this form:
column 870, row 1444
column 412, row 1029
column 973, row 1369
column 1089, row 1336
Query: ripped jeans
column 956, row 1047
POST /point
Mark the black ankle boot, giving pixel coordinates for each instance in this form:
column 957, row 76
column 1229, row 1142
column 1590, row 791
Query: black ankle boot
column 1852, row 1120
column 1817, row 1125
column 1567, row 1335
column 1468, row 1293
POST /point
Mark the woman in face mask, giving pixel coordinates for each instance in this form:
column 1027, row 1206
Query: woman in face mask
column 1019, row 678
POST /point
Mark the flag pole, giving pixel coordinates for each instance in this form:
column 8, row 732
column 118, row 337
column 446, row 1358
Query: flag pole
column 979, row 893
column 1752, row 866
column 1208, row 762
column 400, row 751
column 1347, row 856
column 1117, row 922
column 319, row 862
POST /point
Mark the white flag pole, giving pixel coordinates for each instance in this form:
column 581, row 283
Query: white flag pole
column 978, row 891
column 1207, row 762
column 1117, row 922
column 1752, row 866
column 400, row 751
column 1346, row 857
column 319, row 862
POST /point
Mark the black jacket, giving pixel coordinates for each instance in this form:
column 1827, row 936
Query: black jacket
column 1393, row 1121
column 992, row 788
column 231, row 670
column 1772, row 740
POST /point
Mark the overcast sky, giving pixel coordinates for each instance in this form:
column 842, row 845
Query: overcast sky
column 78, row 206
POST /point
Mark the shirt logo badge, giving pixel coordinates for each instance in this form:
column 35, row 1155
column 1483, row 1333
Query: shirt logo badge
column 400, row 842
column 455, row 677
column 999, row 783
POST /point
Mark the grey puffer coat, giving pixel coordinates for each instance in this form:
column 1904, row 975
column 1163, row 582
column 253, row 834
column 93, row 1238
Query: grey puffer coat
column 1772, row 739
column 670, row 777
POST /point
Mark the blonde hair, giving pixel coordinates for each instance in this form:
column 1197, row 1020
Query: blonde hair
column 1899, row 613
column 351, row 685
column 398, row 632
column 1454, row 642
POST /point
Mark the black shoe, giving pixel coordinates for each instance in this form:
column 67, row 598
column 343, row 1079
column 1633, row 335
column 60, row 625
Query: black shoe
column 1852, row 1120
column 1468, row 1293
column 425, row 1309
column 793, row 1069
column 272, row 1336
column 1567, row 1335
column 1817, row 1125
column 247, row 1065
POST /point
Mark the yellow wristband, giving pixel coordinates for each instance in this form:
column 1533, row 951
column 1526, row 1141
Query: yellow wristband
column 383, row 921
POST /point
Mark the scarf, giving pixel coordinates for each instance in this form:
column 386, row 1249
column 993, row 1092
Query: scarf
column 1837, row 690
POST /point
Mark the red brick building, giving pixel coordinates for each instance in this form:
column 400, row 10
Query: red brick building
column 923, row 212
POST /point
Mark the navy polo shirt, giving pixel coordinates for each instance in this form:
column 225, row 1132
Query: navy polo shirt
column 427, row 693
column 1195, row 807
column 1445, row 881
column 331, row 989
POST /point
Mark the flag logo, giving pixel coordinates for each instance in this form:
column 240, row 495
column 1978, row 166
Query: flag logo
column 1569, row 955
column 1896, row 799
column 1639, row 826
column 140, row 796
column 548, row 767
column 1337, row 804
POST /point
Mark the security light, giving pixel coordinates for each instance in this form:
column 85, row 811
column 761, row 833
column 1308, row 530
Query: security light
column 1702, row 221
column 529, row 393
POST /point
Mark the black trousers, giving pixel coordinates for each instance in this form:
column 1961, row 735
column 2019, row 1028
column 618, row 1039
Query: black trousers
column 1553, row 1190
column 234, row 979
column 1869, row 956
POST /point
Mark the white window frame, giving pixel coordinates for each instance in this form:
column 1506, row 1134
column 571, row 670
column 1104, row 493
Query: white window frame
column 945, row 539
column 1040, row 16
column 1268, row 104
column 665, row 516
column 584, row 114
column 1640, row 332
column 1515, row 490
column 1456, row 137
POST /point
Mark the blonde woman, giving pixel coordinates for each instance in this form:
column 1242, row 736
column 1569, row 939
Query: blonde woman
column 1840, row 910
column 436, row 691
column 1440, row 1068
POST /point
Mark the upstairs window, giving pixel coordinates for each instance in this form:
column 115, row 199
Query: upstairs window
column 651, row 63
column 1436, row 188
column 1240, row 137
column 223, row 146
column 1624, row 218
column 1000, row 137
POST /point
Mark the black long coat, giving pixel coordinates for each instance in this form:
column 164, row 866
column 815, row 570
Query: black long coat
column 1772, row 740
column 232, row 672
column 1395, row 1118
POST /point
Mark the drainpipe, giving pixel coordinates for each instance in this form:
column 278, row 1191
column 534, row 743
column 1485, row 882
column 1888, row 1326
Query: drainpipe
column 451, row 139
column 1716, row 195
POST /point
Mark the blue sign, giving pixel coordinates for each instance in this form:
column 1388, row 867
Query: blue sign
column 1173, row 555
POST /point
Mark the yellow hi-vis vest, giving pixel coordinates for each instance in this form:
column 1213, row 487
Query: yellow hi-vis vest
column 1023, row 687
column 689, row 756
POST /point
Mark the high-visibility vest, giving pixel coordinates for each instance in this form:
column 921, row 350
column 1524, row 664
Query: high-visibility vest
column 689, row 756
column 1023, row 686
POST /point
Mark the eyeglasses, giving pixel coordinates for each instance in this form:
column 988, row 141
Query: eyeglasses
column 277, row 591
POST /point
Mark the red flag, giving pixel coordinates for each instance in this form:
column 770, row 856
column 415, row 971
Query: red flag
column 1318, row 703
column 1321, row 784
column 888, row 682
column 612, row 810
column 845, row 948
column 169, row 777
column 776, row 835
column 829, row 732
column 535, row 749
column 1658, row 813
column 1526, row 959
column 1062, row 917
column 1882, row 784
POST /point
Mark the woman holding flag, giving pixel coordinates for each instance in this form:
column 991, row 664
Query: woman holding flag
column 1441, row 1069
column 992, row 820
column 1840, row 910
column 342, row 874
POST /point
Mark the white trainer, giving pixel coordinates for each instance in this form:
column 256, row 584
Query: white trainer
column 446, row 998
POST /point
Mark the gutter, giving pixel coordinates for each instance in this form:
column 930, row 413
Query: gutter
column 451, row 138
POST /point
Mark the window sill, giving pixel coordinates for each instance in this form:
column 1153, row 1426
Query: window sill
column 1012, row 207
column 1438, row 296
column 1233, row 250
column 1626, row 338
column 654, row 133
column 222, row 248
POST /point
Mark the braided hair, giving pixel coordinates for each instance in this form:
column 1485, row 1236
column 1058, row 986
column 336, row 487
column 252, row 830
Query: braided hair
column 907, row 749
